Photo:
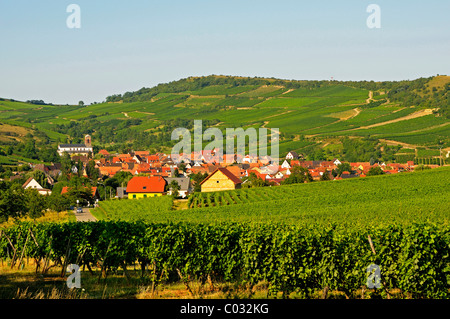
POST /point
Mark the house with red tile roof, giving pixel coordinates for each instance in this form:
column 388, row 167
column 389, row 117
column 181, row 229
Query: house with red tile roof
column 221, row 179
column 109, row 171
column 146, row 186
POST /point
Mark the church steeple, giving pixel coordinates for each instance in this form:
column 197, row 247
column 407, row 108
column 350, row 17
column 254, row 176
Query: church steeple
column 87, row 141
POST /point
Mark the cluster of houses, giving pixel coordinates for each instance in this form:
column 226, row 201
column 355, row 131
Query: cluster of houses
column 153, row 173
column 160, row 171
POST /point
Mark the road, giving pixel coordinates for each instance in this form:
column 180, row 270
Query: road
column 85, row 216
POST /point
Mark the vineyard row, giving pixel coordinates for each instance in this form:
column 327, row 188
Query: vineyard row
column 412, row 259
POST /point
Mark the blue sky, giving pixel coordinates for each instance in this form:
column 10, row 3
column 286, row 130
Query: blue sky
column 126, row 45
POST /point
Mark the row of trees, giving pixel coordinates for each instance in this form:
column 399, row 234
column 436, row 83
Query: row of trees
column 17, row 202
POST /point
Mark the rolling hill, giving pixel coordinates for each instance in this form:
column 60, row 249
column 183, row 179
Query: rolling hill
column 310, row 115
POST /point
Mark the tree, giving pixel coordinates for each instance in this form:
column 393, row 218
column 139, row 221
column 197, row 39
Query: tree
column 254, row 181
column 12, row 200
column 66, row 166
column 82, row 194
column 344, row 167
column 41, row 178
column 80, row 103
column 175, row 188
column 91, row 171
column 35, row 203
column 30, row 149
column 58, row 202
column 197, row 179
column 376, row 170
column 325, row 176
column 299, row 174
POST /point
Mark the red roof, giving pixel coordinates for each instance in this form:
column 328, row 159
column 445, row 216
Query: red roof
column 103, row 152
column 109, row 170
column 142, row 153
column 227, row 173
column 146, row 184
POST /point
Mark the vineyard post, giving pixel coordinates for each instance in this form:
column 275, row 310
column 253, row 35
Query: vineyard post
column 15, row 251
column 47, row 256
column 38, row 263
column 12, row 246
column 23, row 249
column 103, row 271
column 66, row 257
column 185, row 282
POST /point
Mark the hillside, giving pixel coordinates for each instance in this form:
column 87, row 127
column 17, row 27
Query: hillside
column 317, row 118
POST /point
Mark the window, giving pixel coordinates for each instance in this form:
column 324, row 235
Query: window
column 144, row 187
column 134, row 196
column 145, row 195
column 217, row 182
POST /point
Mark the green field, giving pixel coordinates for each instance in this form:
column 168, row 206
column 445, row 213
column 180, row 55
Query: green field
column 296, row 240
column 403, row 198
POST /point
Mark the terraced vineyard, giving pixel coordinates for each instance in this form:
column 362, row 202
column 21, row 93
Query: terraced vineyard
column 316, row 108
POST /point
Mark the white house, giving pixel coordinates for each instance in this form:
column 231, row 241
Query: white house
column 285, row 164
column 337, row 162
column 279, row 175
column 292, row 155
column 32, row 183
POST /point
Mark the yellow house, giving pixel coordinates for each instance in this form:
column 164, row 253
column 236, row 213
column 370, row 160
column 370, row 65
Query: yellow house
column 145, row 186
column 220, row 180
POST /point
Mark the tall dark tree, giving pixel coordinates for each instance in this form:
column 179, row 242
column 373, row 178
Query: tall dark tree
column 91, row 171
column 35, row 203
column 12, row 200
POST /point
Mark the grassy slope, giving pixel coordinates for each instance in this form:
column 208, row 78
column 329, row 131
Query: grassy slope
column 300, row 111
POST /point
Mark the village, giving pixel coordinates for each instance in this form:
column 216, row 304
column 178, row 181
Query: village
column 155, row 174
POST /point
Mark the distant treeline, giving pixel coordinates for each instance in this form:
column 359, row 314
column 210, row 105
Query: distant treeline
column 38, row 102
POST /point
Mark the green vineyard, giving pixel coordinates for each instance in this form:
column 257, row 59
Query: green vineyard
column 134, row 210
column 403, row 198
column 298, row 239
column 413, row 261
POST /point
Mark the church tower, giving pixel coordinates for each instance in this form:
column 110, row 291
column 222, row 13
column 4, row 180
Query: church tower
column 87, row 141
